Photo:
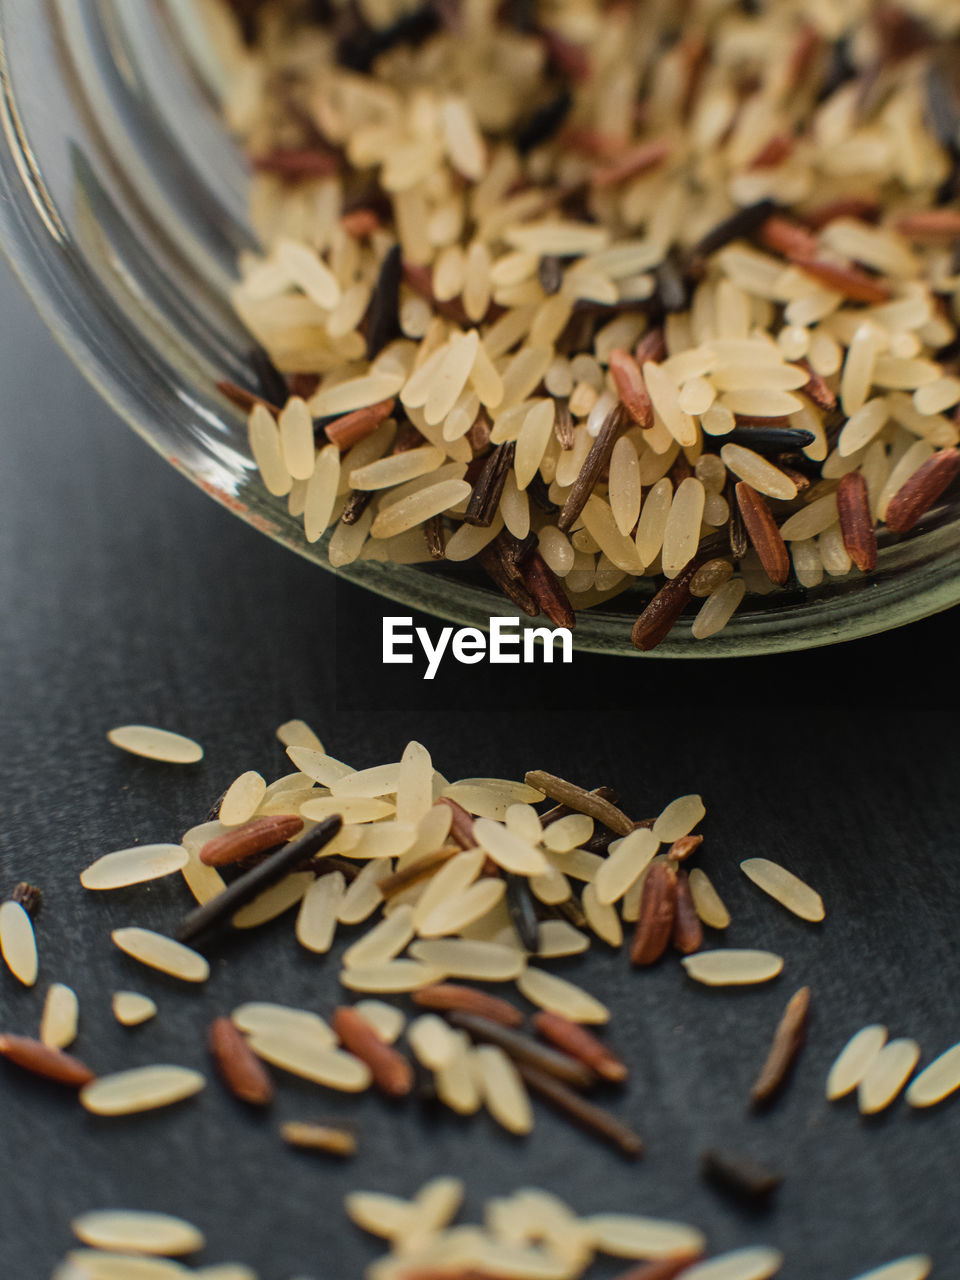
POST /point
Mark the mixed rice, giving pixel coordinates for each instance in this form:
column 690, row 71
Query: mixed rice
column 442, row 886
column 593, row 293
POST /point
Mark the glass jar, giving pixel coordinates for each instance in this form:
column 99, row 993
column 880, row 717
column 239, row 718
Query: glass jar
column 123, row 208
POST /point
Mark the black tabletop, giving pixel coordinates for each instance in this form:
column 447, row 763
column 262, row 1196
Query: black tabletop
column 127, row 595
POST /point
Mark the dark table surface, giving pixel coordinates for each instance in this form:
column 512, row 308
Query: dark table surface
column 129, row 596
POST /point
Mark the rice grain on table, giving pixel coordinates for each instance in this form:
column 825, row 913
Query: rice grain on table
column 137, row 1231
column 784, row 887
column 268, row 1019
column 756, row 1262
column 395, row 977
column 633, row 1236
column 130, row 1008
column 156, row 744
column 887, row 1075
column 679, row 818
column 18, row 943
column 90, row 1264
column 305, row 1057
column 134, row 866
column 317, row 916
column 61, row 1012
column 938, row 1080
column 468, row 959
column 140, row 1089
column 42, row 1060
column 242, row 798
column 916, row 1267
column 557, row 995
column 732, row 968
column 504, row 1093
column 159, row 952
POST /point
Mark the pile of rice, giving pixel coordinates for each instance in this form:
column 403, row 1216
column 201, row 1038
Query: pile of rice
column 509, row 224
column 442, row 884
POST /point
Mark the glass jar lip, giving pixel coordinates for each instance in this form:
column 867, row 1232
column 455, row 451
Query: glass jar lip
column 916, row 576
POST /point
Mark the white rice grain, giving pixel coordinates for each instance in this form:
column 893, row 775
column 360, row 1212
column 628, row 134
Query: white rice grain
column 504, row 1092
column 732, row 968
column 887, row 1075
column 937, row 1081
column 140, row 1089
column 130, row 1008
column 855, row 1060
column 18, row 943
column 317, row 917
column 159, row 952
column 466, row 958
column 557, row 995
column 133, row 1231
column 756, row 1262
column 784, row 887
column 156, row 744
column 134, row 866
column 678, row 818
column 61, row 1011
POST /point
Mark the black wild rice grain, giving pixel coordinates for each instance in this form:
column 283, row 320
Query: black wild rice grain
column 579, row 800
column 563, row 810
column 741, row 1176
column 585, row 1113
column 357, row 503
column 595, row 462
column 739, row 542
column 550, row 274
column 219, row 910
column 658, row 618
column 360, row 46
column 539, row 495
column 273, row 386
column 382, row 320
column 28, row 896
column 738, row 226
column 543, row 123
column 488, row 488
column 673, row 291
column 572, row 912
column 563, row 425
column 522, row 910
column 436, row 538
column 548, row 591
column 771, row 439
column 523, row 1048
column 492, row 564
